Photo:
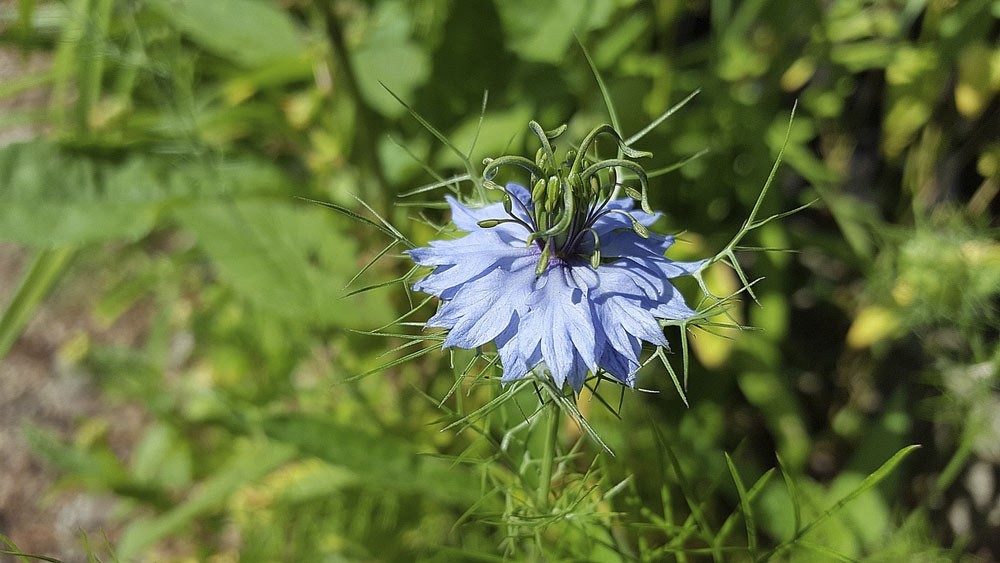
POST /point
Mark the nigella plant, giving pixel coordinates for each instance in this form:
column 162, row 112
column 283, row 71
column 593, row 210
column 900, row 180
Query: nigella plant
column 565, row 278
column 558, row 270
column 555, row 281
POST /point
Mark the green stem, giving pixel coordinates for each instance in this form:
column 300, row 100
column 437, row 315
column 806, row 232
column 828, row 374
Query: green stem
column 369, row 122
column 548, row 456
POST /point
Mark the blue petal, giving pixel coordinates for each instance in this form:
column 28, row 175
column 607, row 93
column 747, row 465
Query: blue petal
column 662, row 298
column 619, row 366
column 627, row 243
column 445, row 281
column 515, row 365
column 628, row 204
column 572, row 318
column 483, row 308
column 560, row 324
column 577, row 374
column 467, row 218
column 620, row 315
column 462, row 260
column 448, row 252
column 666, row 267
column 623, row 276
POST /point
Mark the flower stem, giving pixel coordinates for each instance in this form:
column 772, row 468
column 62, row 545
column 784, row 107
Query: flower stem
column 369, row 122
column 548, row 455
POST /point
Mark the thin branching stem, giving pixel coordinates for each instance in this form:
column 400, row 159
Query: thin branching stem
column 548, row 454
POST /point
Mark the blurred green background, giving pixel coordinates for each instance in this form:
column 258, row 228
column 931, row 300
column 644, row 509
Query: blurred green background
column 175, row 339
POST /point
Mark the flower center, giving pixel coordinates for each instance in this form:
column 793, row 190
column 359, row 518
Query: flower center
column 568, row 196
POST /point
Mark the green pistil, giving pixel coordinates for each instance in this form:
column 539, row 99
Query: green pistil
column 568, row 196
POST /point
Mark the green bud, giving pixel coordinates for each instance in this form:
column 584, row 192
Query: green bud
column 595, row 186
column 540, row 158
column 595, row 258
column 490, row 223
column 538, row 192
column 633, row 193
column 553, row 193
column 543, row 260
column 639, row 228
column 508, row 205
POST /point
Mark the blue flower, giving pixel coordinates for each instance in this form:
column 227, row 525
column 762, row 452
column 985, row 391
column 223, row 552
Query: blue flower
column 579, row 298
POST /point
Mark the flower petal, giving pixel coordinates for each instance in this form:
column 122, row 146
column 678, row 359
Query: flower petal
column 515, row 365
column 483, row 308
column 561, row 325
column 467, row 218
column 619, row 366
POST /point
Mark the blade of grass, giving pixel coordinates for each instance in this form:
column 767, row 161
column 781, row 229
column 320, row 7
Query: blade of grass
column 403, row 279
column 470, row 170
column 45, row 268
column 748, row 518
column 358, row 217
column 867, row 484
column 479, row 125
column 793, row 494
column 673, row 375
column 600, row 84
column 668, row 169
column 371, row 263
column 436, row 185
column 752, row 495
column 663, row 117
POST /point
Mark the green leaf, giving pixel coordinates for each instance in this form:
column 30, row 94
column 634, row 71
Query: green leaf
column 748, row 516
column 386, row 56
column 497, row 133
column 291, row 260
column 248, row 32
column 867, row 484
column 250, row 462
column 50, row 196
column 97, row 467
column 45, row 268
column 383, row 461
column 162, row 458
column 542, row 31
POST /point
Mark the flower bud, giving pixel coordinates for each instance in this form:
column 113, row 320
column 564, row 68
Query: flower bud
column 540, row 159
